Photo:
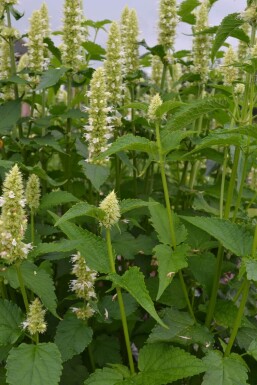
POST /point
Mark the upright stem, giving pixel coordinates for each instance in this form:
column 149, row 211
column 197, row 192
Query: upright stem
column 121, row 304
column 22, row 286
column 32, row 226
column 169, row 212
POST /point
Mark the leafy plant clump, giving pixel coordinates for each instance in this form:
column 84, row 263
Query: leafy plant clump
column 128, row 221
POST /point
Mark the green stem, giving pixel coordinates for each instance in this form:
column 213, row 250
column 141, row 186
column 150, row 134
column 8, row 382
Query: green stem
column 215, row 286
column 169, row 212
column 239, row 292
column 223, row 178
column 240, row 192
column 163, row 79
column 121, row 304
column 22, row 286
column 32, row 226
column 232, row 183
column 238, row 319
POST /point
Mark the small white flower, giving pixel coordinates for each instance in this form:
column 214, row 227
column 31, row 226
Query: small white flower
column 11, row 195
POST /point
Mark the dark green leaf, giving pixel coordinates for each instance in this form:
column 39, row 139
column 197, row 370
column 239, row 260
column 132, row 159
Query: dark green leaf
column 230, row 370
column 106, row 350
column 138, row 291
column 51, row 77
column 35, row 365
column 96, row 173
column 56, row 198
column 10, row 113
column 185, row 11
column 10, row 322
column 73, row 335
column 228, row 26
column 81, row 209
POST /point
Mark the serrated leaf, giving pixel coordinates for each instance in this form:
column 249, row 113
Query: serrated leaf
column 53, row 49
column 51, row 77
column 93, row 248
column 112, row 306
column 204, row 276
column 35, row 364
column 219, row 139
column 73, row 335
column 230, row 370
column 138, row 291
column 11, row 318
column 74, row 372
column 10, row 112
column 56, row 198
column 105, row 376
column 169, row 263
column 128, row 246
column 54, row 247
column 35, row 279
column 232, row 236
column 171, row 139
column 164, row 363
column 251, row 269
column 160, row 222
column 132, row 204
column 95, row 50
column 81, row 209
column 185, row 11
column 252, row 349
column 190, row 112
column 177, row 322
column 129, row 142
column 167, row 106
column 96, row 173
column 225, row 313
column 227, row 27
column 106, row 350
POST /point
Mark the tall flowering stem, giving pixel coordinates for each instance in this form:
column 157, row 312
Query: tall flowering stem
column 110, row 206
column 35, row 321
column 32, row 197
column 154, row 104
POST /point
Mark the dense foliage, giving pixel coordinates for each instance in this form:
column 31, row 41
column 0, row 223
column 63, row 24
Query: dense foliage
column 128, row 238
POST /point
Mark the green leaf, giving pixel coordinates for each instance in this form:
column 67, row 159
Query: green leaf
column 167, row 106
column 73, row 335
column 10, row 113
column 11, row 318
column 177, row 322
column 232, row 236
column 74, row 372
column 229, row 25
column 225, row 313
column 96, row 173
column 35, row 279
column 97, row 24
column 53, row 49
column 136, row 105
column 56, row 198
column 93, row 248
column 252, row 349
column 128, row 246
column 251, row 269
column 185, row 9
column 55, row 247
column 95, row 50
column 190, row 112
column 160, row 222
column 204, row 276
column 34, row 365
column 105, row 376
column 51, row 77
column 169, row 263
column 162, row 364
column 129, row 142
column 171, row 139
column 138, row 291
column 81, row 209
column 106, row 350
column 230, row 370
column 224, row 138
column 132, row 204
column 112, row 307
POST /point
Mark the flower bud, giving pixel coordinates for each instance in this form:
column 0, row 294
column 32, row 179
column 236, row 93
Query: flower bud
column 110, row 205
column 35, row 322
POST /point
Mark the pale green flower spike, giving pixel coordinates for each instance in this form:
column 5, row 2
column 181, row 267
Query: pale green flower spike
column 156, row 74
column 129, row 41
column 167, row 24
column 35, row 322
column 73, row 34
column 250, row 14
column 99, row 130
column 10, row 2
column 230, row 73
column 45, row 20
column 201, row 43
column 32, row 192
column 5, row 69
column 83, row 285
column 113, row 65
column 13, row 221
column 239, row 89
column 154, row 104
column 110, row 205
column 36, row 45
